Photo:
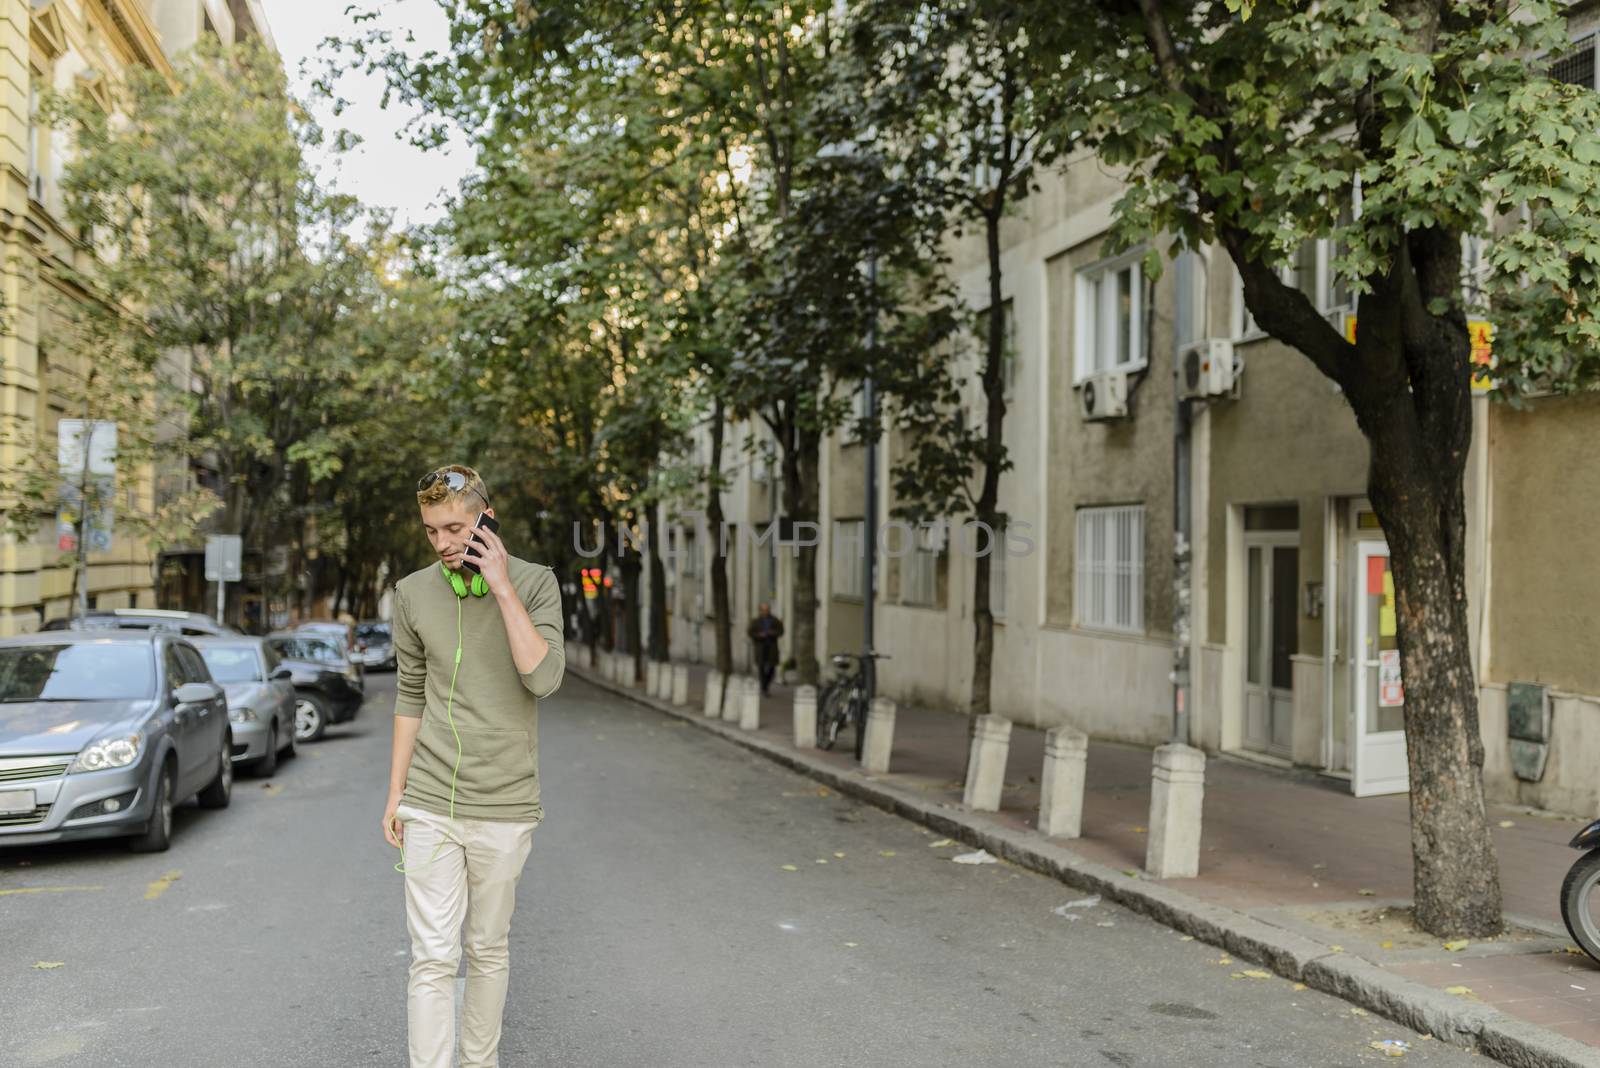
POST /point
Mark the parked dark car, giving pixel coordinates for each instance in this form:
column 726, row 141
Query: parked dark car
column 190, row 623
column 104, row 732
column 345, row 635
column 327, row 683
column 261, row 698
column 377, row 637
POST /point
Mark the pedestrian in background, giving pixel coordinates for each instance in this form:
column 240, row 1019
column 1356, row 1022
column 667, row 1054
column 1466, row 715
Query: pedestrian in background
column 765, row 630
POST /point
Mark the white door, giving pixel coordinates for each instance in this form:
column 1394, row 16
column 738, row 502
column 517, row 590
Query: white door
column 1380, row 737
column 1272, row 579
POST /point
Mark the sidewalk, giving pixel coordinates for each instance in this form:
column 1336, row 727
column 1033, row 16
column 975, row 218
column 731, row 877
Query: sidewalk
column 1295, row 873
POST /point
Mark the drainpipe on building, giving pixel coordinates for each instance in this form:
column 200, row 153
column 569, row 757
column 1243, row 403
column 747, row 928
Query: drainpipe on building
column 1182, row 423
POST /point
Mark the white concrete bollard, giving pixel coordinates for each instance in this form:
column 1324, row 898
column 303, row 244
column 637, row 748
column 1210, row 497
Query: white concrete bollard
column 750, row 707
column 680, row 684
column 663, row 690
column 986, row 763
column 1177, row 795
column 603, row 663
column 1066, row 758
column 733, row 700
column 805, row 717
column 626, row 671
column 652, row 678
column 879, row 741
column 713, row 705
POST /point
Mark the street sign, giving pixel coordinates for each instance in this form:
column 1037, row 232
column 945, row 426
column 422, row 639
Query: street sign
column 224, row 558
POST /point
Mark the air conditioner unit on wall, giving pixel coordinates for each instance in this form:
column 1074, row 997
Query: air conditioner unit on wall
column 1207, row 367
column 1104, row 395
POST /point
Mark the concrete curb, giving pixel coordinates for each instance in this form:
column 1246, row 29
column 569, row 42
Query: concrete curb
column 1292, row 956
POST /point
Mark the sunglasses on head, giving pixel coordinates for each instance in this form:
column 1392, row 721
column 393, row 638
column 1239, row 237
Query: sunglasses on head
column 455, row 480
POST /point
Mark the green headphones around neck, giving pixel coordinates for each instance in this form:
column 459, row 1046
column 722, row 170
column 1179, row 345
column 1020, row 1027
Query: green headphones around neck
column 479, row 586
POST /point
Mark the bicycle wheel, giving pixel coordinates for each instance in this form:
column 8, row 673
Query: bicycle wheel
column 831, row 717
column 822, row 710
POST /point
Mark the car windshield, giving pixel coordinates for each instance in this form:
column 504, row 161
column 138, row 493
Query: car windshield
column 232, row 663
column 369, row 631
column 320, row 649
column 82, row 671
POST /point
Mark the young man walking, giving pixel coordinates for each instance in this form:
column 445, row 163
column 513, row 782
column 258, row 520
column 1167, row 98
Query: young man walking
column 474, row 654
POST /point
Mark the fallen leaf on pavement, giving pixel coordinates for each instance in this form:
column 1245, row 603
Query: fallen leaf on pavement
column 1132, row 873
column 1385, row 945
column 852, row 945
column 48, row 964
column 1224, row 960
column 941, row 843
column 1106, row 923
column 838, row 856
column 1358, row 1012
column 1080, row 903
column 982, row 856
column 1336, row 949
column 1138, row 830
column 1458, row 945
column 790, row 867
column 1299, row 986
column 1508, row 823
column 885, row 852
column 1255, row 973
column 1460, row 991
column 821, row 861
column 1365, row 893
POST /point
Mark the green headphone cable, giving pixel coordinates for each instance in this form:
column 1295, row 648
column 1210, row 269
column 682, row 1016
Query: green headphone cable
column 449, row 712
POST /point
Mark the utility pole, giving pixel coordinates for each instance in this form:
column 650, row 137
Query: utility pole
column 1182, row 577
column 869, row 666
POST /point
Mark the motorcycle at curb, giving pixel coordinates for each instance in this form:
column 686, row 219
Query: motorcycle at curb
column 1580, row 892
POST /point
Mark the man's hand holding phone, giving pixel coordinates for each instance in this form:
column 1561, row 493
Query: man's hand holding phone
column 485, row 553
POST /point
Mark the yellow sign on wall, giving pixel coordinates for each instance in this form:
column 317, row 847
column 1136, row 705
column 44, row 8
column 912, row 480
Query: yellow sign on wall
column 1480, row 331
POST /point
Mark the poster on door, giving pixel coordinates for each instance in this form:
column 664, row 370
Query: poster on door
column 1391, row 691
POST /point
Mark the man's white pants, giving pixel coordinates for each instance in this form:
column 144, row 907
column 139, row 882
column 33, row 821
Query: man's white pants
column 471, row 878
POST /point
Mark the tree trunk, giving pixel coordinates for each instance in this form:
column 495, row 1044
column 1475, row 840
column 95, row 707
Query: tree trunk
column 988, row 497
column 660, row 650
column 1456, row 879
column 632, row 567
column 803, row 488
column 721, row 609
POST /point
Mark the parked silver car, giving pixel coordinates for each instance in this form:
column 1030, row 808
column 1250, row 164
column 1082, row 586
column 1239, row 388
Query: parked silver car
column 103, row 733
column 378, row 638
column 261, row 698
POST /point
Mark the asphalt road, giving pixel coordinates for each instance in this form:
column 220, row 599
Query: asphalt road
column 657, row 925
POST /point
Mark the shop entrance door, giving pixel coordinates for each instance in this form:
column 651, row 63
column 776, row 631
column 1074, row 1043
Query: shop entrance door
column 1380, row 737
column 1273, row 575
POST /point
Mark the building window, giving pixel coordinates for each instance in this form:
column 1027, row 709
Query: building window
column 919, row 572
column 1312, row 272
column 849, row 558
column 1110, row 319
column 1110, row 568
column 1577, row 65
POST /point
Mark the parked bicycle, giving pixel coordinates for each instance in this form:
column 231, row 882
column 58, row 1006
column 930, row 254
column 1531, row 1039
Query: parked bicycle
column 843, row 702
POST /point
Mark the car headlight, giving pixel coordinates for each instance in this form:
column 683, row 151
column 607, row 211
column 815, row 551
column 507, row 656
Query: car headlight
column 109, row 753
column 242, row 715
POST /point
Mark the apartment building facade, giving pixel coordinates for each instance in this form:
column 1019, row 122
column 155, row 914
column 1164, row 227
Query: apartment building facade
column 66, row 46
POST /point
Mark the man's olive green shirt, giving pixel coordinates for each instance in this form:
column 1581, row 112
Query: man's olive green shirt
column 495, row 707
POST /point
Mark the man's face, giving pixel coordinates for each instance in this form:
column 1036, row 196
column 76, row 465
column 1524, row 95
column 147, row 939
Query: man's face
column 448, row 523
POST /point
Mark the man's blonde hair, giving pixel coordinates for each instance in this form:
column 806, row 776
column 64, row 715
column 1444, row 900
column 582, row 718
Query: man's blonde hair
column 440, row 491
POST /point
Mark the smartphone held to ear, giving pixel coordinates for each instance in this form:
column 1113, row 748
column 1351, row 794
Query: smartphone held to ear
column 487, row 522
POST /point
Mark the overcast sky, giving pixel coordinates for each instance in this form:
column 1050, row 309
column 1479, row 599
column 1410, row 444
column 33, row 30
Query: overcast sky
column 385, row 171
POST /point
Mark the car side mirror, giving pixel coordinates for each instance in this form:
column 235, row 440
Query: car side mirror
column 193, row 693
column 281, row 673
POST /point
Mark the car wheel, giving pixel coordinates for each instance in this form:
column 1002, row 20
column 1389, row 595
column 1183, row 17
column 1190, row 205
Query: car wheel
column 310, row 718
column 159, row 835
column 268, row 764
column 220, row 790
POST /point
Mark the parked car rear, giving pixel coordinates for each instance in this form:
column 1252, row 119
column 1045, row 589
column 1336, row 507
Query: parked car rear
column 377, row 641
column 103, row 733
column 327, row 682
column 190, row 623
column 261, row 698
